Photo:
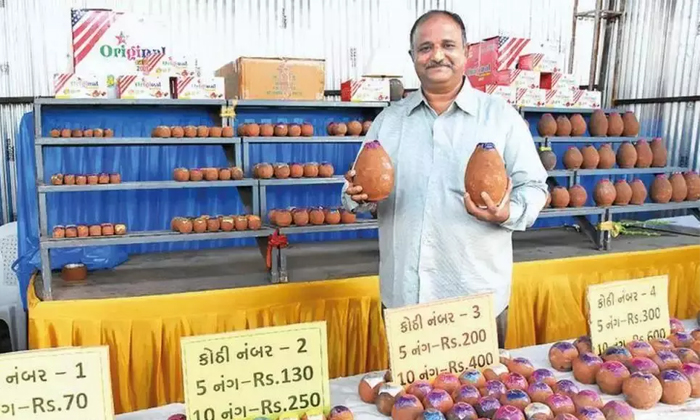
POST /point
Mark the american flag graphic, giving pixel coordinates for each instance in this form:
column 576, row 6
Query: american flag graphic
column 182, row 83
column 519, row 94
column 513, row 76
column 59, row 81
column 509, row 50
column 550, row 95
column 88, row 27
column 123, row 83
column 577, row 96
column 149, row 63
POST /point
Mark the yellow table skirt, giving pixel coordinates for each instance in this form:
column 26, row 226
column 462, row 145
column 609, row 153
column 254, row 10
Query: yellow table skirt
column 143, row 333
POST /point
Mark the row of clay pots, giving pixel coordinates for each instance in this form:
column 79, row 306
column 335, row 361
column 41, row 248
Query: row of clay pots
column 612, row 125
column 265, row 170
column 352, row 128
column 88, row 132
column 208, row 174
column 91, row 179
column 191, row 131
column 313, row 216
column 640, row 155
column 275, row 130
column 207, row 223
column 83, row 231
column 680, row 187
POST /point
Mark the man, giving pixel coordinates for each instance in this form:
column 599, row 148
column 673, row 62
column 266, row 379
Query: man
column 434, row 242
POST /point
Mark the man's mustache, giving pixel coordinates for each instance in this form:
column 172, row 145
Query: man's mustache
column 440, row 64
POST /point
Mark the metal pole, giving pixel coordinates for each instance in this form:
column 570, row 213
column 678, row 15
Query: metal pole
column 596, row 45
column 618, row 54
column 572, row 48
column 607, row 40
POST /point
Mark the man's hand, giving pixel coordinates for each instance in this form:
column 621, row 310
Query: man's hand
column 354, row 191
column 492, row 213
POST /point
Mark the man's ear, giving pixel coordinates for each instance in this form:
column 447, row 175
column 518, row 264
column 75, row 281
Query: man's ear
column 410, row 54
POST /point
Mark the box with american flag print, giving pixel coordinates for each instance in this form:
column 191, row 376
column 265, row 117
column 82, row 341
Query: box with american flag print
column 199, row 88
column 507, row 93
column 136, row 86
column 159, row 64
column 545, row 63
column 530, row 97
column 587, row 99
column 559, row 98
column 74, row 86
column 488, row 60
column 559, row 81
column 518, row 79
column 366, row 89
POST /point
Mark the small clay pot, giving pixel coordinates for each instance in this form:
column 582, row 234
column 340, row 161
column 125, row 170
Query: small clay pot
column 311, row 170
column 591, row 159
column 236, row 173
column 92, row 179
column 196, row 174
column 107, row 229
column 76, row 133
column 215, row 131
column 623, row 193
column 325, row 170
column 307, row 130
column 661, row 189
column 202, row 131
column 347, row 216
column 560, row 197
column 109, row 132
column 57, row 179
column 300, row 217
column 354, row 128
column 604, row 193
column 211, row 174
column 263, row 170
column 65, row 133
column 606, row 156
column 365, row 127
column 660, row 153
column 283, row 218
column 330, row 128
column 186, row 225
column 80, row 180
column 317, row 216
column 680, row 188
column 98, row 132
column 340, row 129
column 227, row 223
column 644, row 154
column 59, row 232
column 573, row 158
column 55, row 133
column 103, row 179
column 563, row 126
column 177, row 132
column 626, row 155
column 331, row 216
column 548, row 158
column 639, row 192
column 120, row 229
column 281, row 130
column 224, row 174
column 115, row 178
column 281, row 170
column 213, row 224
column 190, row 131
column 254, row 222
column 251, row 130
column 296, row 170
column 71, row 231
column 227, row 132
column 240, row 222
column 267, row 130
column 69, row 179
column 83, row 231
column 88, row 133
column 547, row 125
column 294, row 130
column 577, row 196
column 199, row 225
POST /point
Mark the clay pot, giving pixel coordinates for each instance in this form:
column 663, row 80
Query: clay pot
column 307, row 130
column 630, row 123
column 623, row 193
column 174, row 222
column 108, row 132
column 604, row 193
column 241, row 130
column 354, row 128
column 661, row 189
column 254, row 222
column 626, row 155
column 213, row 224
column 365, row 127
column 196, row 174
column 325, row 170
column 88, row 133
column 266, row 130
column 598, row 126
column 547, row 126
column 161, row 131
column 251, row 130
column 347, row 216
column 76, row 133
column 199, row 225
column 227, row 223
column 186, row 225
column 281, row 130
column 560, row 197
column 692, row 181
column 332, row 216
column 300, row 217
column 55, row 133
column 82, row 231
column 591, row 158
column 317, row 216
column 190, row 131
column 120, row 229
column 485, row 172
column 57, row 179
column 227, row 131
column 271, row 216
column 236, row 173
column 69, row 179
column 98, row 132
column 240, row 222
column 330, row 128
column 615, row 125
column 215, row 131
column 224, row 174
column 107, row 229
column 93, row 179
column 294, row 130
column 578, row 125
column 263, row 170
column 95, row 230
column 639, row 192
column 103, row 179
column 115, row 178
column 59, row 232
column 283, row 218
column 644, row 154
column 65, row 132
column 311, row 170
column 71, row 231
column 577, row 196
column 548, row 158
column 211, row 174
column 202, row 131
column 296, row 170
column 660, row 153
column 606, row 156
column 680, row 188
column 396, row 90
column 563, row 126
column 573, row 158
column 340, row 129
column 177, row 132
column 80, row 180
column 281, row 170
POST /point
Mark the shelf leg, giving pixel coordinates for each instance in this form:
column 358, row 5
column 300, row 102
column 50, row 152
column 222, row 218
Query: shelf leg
column 589, row 230
column 46, row 274
column 262, row 202
column 274, row 270
column 284, row 275
column 246, row 158
column 606, row 234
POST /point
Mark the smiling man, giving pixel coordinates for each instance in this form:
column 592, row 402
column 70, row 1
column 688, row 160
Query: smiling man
column 434, row 242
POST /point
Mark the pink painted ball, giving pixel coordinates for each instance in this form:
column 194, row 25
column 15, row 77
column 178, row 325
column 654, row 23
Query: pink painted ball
column 508, row 412
column 642, row 390
column 611, row 376
column 640, row 349
column 447, row 381
column 431, row 414
column 667, row 359
column 516, row 398
column 494, row 389
column 583, row 344
column 681, row 339
column 340, row 412
column 461, row 411
column 561, row 404
column 687, row 355
column 587, row 398
column 616, row 354
column 643, row 364
column 539, row 392
column 661, row 344
column 543, row 375
column 565, row 416
column 618, row 410
column 487, row 406
column 522, row 366
column 515, row 381
column 676, row 325
column 466, row 394
column 406, row 407
column 589, row 413
column 538, row 411
column 472, row 377
column 438, row 399
column 692, row 372
column 419, row 389
column 676, row 387
column 566, row 387
column 586, row 367
column 494, row 373
column 561, row 355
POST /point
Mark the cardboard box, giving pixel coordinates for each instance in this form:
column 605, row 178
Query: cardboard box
column 559, row 98
column 497, row 54
column 159, row 64
column 545, row 63
column 559, row 81
column 508, row 93
column 587, row 99
column 199, row 88
column 73, row 86
column 521, row 79
column 274, row 78
column 530, row 97
column 366, row 89
column 137, row 86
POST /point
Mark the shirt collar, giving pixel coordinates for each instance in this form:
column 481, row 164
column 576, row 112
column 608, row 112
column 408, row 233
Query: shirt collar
column 466, row 99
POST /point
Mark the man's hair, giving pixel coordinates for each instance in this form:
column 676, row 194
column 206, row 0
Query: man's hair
column 427, row 15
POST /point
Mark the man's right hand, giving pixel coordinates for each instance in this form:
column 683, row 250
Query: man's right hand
column 354, row 191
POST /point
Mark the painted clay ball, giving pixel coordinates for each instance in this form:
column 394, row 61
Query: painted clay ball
column 616, row 353
column 630, row 123
column 461, row 411
column 472, row 377
column 680, row 188
column 692, row 372
column 623, row 193
column 578, row 125
column 589, row 413
column 586, row 367
column 560, row 403
column 180, row 417
column 643, row 364
column 539, row 391
column 294, row 130
column 560, row 197
column 565, row 416
column 447, row 381
column 681, row 339
column 676, row 325
column 340, row 412
column 369, row 386
column 676, row 387
column 431, row 414
column 667, row 359
column 561, row 355
column 611, row 376
column 439, row 399
column 577, row 196
column 617, row 410
column 386, row 397
column 566, row 387
column 598, row 126
column 644, row 154
column 515, row 381
column 406, row 407
column 547, row 125
column 374, row 171
column 493, row 373
column 606, row 156
column 543, row 375
column 692, row 181
column 310, row 169
column 587, row 398
column 642, row 390
column 487, row 406
column 573, row 159
column 521, row 366
column 508, row 412
column 639, row 348
column 604, row 193
column 486, row 172
column 583, row 344
column 548, row 158
column 467, row 394
column 493, row 389
column 516, row 398
column 661, row 189
column 590, row 157
column 419, row 389
column 687, row 355
column 660, row 344
column 538, row 411
column 615, row 125
column 639, row 192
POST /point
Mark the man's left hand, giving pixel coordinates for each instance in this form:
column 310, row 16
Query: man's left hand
column 494, row 213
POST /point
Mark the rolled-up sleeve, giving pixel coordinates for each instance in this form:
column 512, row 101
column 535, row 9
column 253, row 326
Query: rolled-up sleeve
column 526, row 172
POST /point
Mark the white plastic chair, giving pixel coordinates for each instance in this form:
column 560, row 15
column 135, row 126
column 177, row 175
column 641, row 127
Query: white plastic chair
column 11, row 308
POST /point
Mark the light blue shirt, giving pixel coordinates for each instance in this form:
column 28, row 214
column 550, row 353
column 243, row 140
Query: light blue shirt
column 430, row 248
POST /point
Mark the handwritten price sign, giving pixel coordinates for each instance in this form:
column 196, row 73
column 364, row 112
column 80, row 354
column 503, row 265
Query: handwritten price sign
column 628, row 310
column 446, row 336
column 56, row 384
column 257, row 373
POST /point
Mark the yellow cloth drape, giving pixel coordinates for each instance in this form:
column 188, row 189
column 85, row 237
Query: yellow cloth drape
column 143, row 333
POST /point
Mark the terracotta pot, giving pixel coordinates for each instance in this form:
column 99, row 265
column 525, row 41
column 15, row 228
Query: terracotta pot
column 631, row 125
column 644, row 154
column 486, row 172
column 76, row 133
column 196, row 174
column 317, row 216
column 296, row 170
column 88, row 133
column 161, row 131
column 547, row 126
column 211, row 174
column 69, row 179
column 215, row 131
column 240, row 222
column 57, row 179
column 177, row 132
column 83, row 231
column 80, row 180
column 65, row 132
column 590, row 156
column 115, row 178
column 199, row 225
column 227, row 132
column 120, row 229
column 107, row 229
column 98, row 132
column 560, row 197
column 213, row 224
column 548, row 158
column 263, row 170
column 55, row 133
column 283, row 218
column 623, row 193
column 374, row 171
column 326, row 170
column 93, row 179
column 572, row 158
column 174, row 223
column 59, row 232
column 294, row 130
column 254, row 222
column 108, row 132
column 95, row 230
column 241, row 131
column 577, row 196
column 300, row 217
column 639, row 192
column 187, row 225
column 72, row 273
column 340, row 129
column 660, row 153
column 365, row 127
column 626, row 155
column 190, row 131
column 281, row 170
column 307, row 130
column 311, row 170
column 254, row 130
column 606, row 156
column 615, row 125
column 598, row 126
column 354, row 128
column 281, row 130
column 331, row 216
column 224, row 174
column 661, row 189
column 604, row 193
column 347, row 216
column 692, row 180
column 202, row 131
column 71, row 231
column 563, row 126
column 267, row 130
column 680, row 188
column 227, row 223
column 271, row 216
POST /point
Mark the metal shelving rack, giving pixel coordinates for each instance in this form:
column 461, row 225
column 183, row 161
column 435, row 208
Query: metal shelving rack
column 247, row 188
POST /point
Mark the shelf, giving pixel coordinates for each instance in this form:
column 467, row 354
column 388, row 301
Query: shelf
column 560, row 172
column 655, row 207
column 358, row 225
column 621, row 171
column 571, row 211
column 151, row 237
column 125, row 141
column 146, row 185
column 337, row 179
column 307, row 104
column 128, row 102
column 545, row 110
column 314, row 139
column 586, row 139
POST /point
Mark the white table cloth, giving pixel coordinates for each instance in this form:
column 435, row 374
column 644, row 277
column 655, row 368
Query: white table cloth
column 344, row 392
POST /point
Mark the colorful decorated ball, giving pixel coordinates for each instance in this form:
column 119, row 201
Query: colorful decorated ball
column 406, row 407
column 692, row 372
column 538, row 411
column 642, row 390
column 521, row 366
column 667, row 359
column 419, row 389
column 369, row 386
column 687, row 355
column 589, row 413
column 340, row 412
column 515, row 381
column 587, row 398
column 508, row 412
column 661, row 344
column 487, row 407
column 561, row 404
column 676, row 325
column 611, row 376
column 616, row 354
column 586, row 366
column 640, row 349
column 472, row 377
column 566, row 387
column 539, row 392
column 643, row 364
column 676, row 387
column 561, row 355
column 466, row 394
column 618, row 410
column 493, row 373
column 386, row 397
column 583, row 344
column 516, row 398
column 431, row 414
column 184, row 417
column 494, row 389
column 681, row 339
column 461, row 411
column 543, row 375
column 447, row 381
column 565, row 416
column 438, row 399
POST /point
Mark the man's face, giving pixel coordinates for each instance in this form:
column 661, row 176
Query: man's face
column 438, row 52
